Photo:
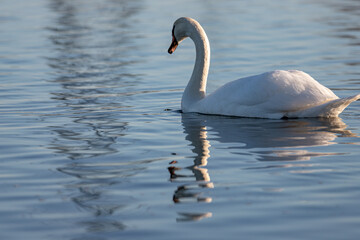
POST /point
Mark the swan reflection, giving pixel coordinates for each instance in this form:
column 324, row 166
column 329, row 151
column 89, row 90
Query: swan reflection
column 283, row 141
column 270, row 140
column 184, row 217
column 196, row 134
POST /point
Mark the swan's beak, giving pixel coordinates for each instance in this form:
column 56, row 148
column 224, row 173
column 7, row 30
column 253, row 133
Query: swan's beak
column 173, row 45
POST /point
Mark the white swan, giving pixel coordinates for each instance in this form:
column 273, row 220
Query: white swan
column 276, row 94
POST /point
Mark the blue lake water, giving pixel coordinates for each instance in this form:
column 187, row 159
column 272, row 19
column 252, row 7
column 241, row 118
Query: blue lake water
column 92, row 145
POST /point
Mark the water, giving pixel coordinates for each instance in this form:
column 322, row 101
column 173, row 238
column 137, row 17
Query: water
column 89, row 152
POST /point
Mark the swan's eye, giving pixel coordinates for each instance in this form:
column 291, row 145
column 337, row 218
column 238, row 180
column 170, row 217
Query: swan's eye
column 174, row 42
column 173, row 32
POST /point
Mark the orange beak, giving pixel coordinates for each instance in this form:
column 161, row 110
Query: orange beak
column 173, row 45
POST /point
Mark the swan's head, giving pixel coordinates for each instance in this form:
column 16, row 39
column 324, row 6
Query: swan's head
column 181, row 30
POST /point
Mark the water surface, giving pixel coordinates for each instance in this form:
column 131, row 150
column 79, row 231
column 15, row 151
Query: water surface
column 93, row 147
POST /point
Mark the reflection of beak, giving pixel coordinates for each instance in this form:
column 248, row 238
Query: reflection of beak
column 173, row 45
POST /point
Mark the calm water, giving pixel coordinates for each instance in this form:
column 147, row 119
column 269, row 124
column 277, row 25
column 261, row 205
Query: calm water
column 89, row 152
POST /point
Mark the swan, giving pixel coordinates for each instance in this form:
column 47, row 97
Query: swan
column 276, row 94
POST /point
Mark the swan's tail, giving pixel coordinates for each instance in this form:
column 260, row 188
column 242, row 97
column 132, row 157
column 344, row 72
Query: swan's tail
column 329, row 109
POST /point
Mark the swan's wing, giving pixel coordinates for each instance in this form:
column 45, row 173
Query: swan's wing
column 267, row 95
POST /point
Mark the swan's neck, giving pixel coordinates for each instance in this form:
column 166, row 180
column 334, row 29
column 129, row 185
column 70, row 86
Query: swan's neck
column 196, row 88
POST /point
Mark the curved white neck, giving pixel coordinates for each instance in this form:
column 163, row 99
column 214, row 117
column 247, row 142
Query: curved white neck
column 196, row 88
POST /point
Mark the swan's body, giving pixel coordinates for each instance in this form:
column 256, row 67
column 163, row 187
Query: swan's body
column 275, row 94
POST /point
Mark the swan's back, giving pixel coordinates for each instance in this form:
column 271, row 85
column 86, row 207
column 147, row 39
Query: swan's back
column 269, row 95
